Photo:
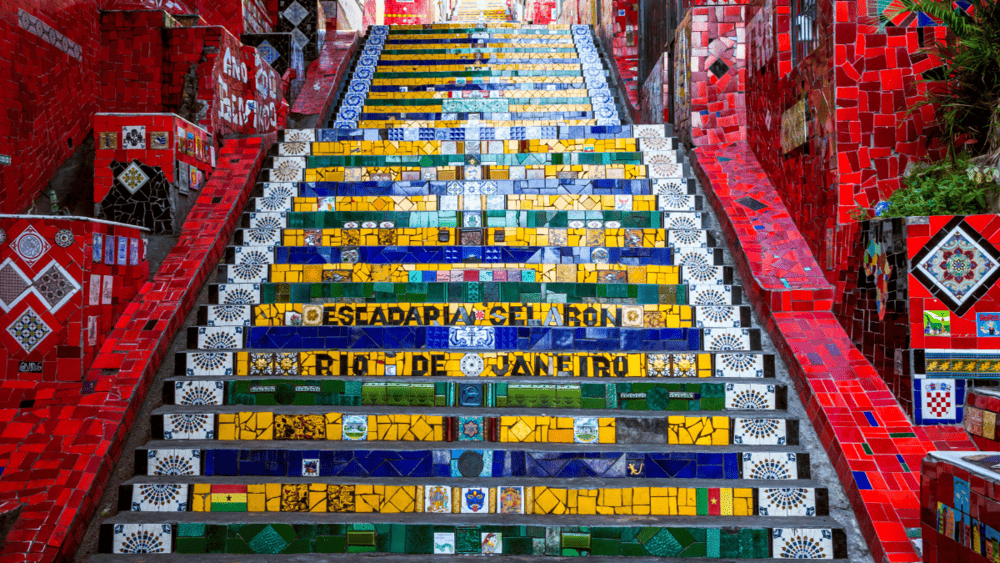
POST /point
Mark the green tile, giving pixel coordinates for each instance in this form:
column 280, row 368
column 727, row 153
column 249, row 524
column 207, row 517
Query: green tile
column 331, row 544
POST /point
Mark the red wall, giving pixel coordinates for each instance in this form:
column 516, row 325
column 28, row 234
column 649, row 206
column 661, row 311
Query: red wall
column 48, row 96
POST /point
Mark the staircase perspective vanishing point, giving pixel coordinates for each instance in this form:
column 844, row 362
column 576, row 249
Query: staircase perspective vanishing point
column 478, row 315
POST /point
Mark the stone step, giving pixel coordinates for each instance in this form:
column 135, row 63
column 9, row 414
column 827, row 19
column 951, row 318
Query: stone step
column 633, row 396
column 489, row 464
column 436, row 363
column 478, row 314
column 531, row 536
column 387, row 426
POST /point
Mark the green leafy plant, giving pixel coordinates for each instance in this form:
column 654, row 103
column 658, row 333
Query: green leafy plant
column 965, row 90
column 948, row 187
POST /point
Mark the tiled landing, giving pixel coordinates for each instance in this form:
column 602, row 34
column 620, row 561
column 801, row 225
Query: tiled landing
column 468, row 335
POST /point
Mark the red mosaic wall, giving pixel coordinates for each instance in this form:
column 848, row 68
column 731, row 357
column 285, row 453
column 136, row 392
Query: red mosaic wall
column 960, row 508
column 66, row 282
column 324, row 76
column 58, row 44
column 48, row 115
column 180, row 154
column 240, row 16
column 415, row 12
column 980, row 418
column 60, row 440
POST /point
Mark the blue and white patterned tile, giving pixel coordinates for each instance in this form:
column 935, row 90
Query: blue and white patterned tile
column 219, row 338
column 802, row 543
column 760, row 431
column 175, row 462
column 142, row 538
column 189, row 426
column 779, row 466
column 750, row 396
column 159, row 497
column 208, row 363
column 198, row 392
column 787, row 502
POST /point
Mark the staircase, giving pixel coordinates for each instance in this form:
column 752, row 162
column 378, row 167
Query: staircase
column 478, row 315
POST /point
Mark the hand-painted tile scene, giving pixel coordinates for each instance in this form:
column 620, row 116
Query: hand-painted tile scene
column 239, row 234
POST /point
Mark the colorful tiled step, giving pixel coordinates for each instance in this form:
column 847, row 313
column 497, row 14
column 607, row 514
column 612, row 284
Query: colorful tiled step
column 469, row 292
column 468, row 364
column 678, row 429
column 472, row 464
column 500, row 338
column 427, row 273
column 257, row 257
column 479, row 133
column 638, row 396
column 362, row 498
column 193, row 537
column 479, row 314
column 278, row 203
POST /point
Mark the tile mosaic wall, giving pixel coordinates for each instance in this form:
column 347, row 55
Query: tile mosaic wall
column 230, row 88
column 922, row 306
column 54, row 42
column 306, row 22
column 64, row 284
column 149, row 168
column 958, row 507
column 85, row 424
column 979, row 417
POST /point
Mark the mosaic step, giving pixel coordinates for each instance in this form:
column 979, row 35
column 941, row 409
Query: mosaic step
column 501, row 338
column 540, row 540
column 479, row 314
column 472, row 464
column 590, row 157
column 257, row 257
column 678, row 430
column 282, row 198
column 473, row 364
column 637, row 396
column 366, row 221
column 659, row 136
column 388, row 233
column 476, row 209
column 296, row 171
column 387, row 149
column 279, row 204
column 470, row 292
column 362, row 498
column 427, row 273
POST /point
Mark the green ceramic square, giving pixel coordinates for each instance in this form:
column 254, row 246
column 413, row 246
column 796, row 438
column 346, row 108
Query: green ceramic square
column 331, row 544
